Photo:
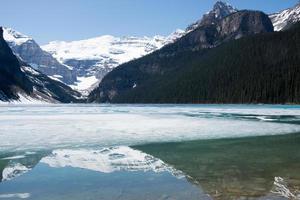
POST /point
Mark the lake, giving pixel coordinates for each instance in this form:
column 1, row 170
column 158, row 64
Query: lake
column 149, row 152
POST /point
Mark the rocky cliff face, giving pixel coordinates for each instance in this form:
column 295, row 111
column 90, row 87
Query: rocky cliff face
column 19, row 80
column 234, row 26
column 30, row 52
column 130, row 75
column 244, row 23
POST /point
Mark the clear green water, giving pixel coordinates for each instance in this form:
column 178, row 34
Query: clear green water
column 235, row 168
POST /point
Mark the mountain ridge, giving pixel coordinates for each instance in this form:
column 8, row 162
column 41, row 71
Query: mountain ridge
column 285, row 18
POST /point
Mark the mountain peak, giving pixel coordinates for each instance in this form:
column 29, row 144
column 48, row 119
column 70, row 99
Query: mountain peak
column 220, row 10
column 221, row 5
column 13, row 36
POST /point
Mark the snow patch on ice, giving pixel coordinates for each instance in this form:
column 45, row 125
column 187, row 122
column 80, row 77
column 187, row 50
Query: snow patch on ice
column 13, row 171
column 16, row 195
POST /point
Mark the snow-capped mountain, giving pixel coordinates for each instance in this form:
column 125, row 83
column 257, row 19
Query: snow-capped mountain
column 285, row 18
column 93, row 58
column 30, row 52
column 20, row 82
column 82, row 64
column 220, row 10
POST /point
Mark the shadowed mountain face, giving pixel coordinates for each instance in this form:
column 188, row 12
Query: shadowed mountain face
column 234, row 26
column 19, row 79
column 12, row 78
column 30, row 52
column 147, row 72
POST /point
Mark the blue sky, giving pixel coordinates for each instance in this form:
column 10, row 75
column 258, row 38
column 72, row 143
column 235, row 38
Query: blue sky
column 47, row 20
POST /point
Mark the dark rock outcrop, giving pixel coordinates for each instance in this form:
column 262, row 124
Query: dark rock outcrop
column 244, row 23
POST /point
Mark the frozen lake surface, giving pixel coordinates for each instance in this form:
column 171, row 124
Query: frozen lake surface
column 85, row 151
column 61, row 126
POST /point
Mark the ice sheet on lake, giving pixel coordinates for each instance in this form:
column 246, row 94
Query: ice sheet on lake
column 63, row 126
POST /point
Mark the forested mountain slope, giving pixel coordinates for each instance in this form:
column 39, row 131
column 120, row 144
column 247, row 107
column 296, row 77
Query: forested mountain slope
column 258, row 69
column 152, row 72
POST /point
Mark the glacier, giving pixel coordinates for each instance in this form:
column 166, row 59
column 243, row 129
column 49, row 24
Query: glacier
column 93, row 58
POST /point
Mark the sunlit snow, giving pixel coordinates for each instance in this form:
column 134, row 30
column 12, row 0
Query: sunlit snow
column 15, row 37
column 118, row 49
column 85, row 84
